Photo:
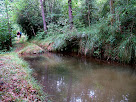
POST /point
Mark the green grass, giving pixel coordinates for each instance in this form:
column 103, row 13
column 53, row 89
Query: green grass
column 31, row 49
column 91, row 41
column 16, row 75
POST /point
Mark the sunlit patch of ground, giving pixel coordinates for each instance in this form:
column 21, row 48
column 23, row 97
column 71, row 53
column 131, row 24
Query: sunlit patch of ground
column 46, row 45
column 21, row 40
column 31, row 49
column 22, row 46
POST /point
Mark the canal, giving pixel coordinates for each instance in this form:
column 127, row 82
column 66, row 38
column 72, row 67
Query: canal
column 72, row 79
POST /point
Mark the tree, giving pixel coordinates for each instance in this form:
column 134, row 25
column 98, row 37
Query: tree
column 28, row 16
column 9, row 30
column 70, row 13
column 5, row 26
column 88, row 7
column 88, row 13
column 112, row 11
column 43, row 16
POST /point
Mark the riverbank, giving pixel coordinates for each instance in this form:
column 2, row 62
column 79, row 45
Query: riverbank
column 16, row 82
column 73, row 46
column 67, row 78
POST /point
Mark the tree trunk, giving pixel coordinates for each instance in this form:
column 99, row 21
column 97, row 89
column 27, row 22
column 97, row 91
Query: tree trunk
column 10, row 40
column 88, row 13
column 44, row 6
column 118, row 19
column 70, row 14
column 33, row 30
column 112, row 11
column 43, row 16
column 50, row 7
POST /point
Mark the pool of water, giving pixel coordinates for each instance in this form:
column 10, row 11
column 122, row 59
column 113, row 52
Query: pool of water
column 71, row 79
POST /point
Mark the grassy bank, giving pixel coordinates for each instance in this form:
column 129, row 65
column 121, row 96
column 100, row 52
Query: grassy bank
column 16, row 82
column 95, row 41
column 30, row 48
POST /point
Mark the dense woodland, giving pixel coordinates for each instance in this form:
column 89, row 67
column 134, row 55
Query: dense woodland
column 105, row 29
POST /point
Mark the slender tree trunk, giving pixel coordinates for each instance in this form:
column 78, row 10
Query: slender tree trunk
column 112, row 11
column 132, row 26
column 88, row 13
column 50, row 7
column 33, row 30
column 44, row 6
column 118, row 19
column 43, row 16
column 70, row 14
column 31, row 25
column 10, row 40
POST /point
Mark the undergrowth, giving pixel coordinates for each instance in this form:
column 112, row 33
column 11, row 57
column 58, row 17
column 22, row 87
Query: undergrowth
column 100, row 40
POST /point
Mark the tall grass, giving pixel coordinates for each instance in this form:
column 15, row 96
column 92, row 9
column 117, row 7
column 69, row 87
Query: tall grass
column 100, row 40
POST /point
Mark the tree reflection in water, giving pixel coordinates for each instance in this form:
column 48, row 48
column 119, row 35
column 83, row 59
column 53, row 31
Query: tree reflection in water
column 68, row 79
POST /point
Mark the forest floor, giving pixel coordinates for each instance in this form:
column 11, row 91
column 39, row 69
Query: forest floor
column 16, row 81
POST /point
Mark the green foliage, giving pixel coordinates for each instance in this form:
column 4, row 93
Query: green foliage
column 4, row 33
column 28, row 16
column 40, row 35
column 96, row 30
column 126, row 48
column 3, row 29
column 6, row 29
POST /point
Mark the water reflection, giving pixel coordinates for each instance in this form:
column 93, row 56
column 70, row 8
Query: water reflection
column 68, row 79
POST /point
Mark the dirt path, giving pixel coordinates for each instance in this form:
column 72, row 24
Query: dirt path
column 19, row 46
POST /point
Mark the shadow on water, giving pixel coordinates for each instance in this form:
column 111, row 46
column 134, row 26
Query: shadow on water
column 69, row 79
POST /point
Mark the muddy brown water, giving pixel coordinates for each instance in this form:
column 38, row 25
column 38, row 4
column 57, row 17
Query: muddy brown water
column 70, row 79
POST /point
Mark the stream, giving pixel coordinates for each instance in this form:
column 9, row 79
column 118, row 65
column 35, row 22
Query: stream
column 70, row 79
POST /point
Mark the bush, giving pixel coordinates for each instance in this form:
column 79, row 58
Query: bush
column 4, row 34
